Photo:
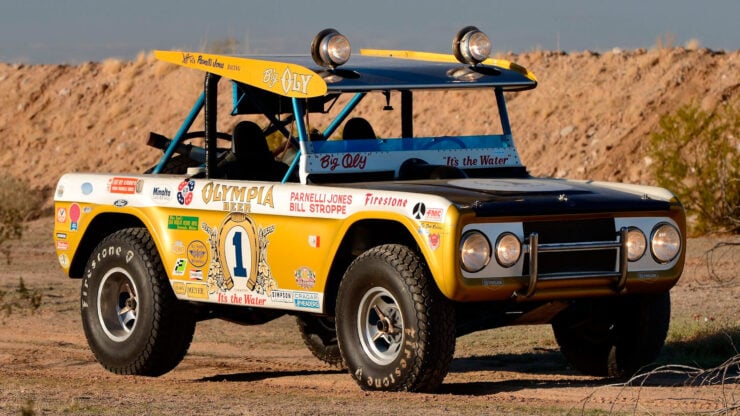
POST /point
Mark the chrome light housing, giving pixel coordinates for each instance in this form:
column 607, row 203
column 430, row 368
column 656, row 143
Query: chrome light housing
column 475, row 251
column 665, row 242
column 508, row 249
column 471, row 46
column 636, row 244
column 330, row 48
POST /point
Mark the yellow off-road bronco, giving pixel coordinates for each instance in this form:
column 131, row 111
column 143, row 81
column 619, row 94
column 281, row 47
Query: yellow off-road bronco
column 385, row 240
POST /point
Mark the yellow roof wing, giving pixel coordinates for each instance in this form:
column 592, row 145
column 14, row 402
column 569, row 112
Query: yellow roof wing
column 441, row 57
column 286, row 79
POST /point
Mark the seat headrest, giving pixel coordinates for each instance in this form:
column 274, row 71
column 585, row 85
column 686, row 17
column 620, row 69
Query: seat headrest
column 358, row 128
column 248, row 137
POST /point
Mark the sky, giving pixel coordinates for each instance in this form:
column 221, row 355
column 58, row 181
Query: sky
column 74, row 31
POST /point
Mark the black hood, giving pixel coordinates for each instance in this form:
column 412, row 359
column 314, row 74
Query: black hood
column 530, row 196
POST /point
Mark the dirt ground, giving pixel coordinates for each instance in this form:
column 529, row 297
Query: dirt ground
column 47, row 368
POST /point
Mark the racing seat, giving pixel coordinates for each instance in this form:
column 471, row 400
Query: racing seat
column 358, row 128
column 250, row 157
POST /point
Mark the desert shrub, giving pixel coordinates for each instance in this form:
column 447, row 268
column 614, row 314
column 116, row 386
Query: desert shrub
column 695, row 155
column 19, row 203
column 19, row 299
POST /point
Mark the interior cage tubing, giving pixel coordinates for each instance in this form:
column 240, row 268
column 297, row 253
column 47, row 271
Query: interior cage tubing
column 210, row 113
column 503, row 113
column 184, row 128
column 344, row 113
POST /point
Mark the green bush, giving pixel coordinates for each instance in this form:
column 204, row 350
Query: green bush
column 19, row 204
column 695, row 155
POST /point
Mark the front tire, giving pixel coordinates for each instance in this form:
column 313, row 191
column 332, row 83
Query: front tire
column 396, row 330
column 133, row 322
column 613, row 337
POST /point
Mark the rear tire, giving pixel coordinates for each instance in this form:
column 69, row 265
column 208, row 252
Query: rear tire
column 396, row 330
column 613, row 337
column 320, row 336
column 133, row 322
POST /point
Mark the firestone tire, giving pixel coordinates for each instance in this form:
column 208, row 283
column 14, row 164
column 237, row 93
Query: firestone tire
column 133, row 322
column 396, row 330
column 320, row 336
column 614, row 338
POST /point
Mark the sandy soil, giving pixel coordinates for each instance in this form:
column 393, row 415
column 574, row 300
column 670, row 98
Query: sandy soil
column 46, row 366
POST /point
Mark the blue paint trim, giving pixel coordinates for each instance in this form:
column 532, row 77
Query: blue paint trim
column 493, row 141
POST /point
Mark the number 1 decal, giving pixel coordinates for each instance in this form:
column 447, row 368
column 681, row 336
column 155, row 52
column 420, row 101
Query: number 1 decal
column 238, row 247
column 239, row 270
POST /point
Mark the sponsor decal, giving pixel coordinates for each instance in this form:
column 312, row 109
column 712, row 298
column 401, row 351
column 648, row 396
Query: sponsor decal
column 185, row 192
column 211, row 62
column 281, row 296
column 64, row 260
column 305, row 277
column 239, row 299
column 237, row 198
column 307, row 303
column 472, row 161
column 197, row 253
column 74, row 216
column 121, row 185
column 87, row 210
column 161, row 194
column 120, row 203
column 180, row 266
column 433, row 240
column 434, row 214
column 306, row 300
column 196, row 274
column 179, row 288
column 86, row 188
column 314, row 241
column 60, row 191
column 62, row 215
column 419, row 210
column 238, row 249
column 384, row 201
column 348, row 161
column 178, row 247
column 62, row 245
column 61, row 236
column 319, row 203
column 196, row 290
column 289, row 81
column 432, row 233
column 182, row 223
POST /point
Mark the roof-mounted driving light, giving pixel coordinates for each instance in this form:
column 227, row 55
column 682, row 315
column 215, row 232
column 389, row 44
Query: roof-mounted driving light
column 471, row 46
column 330, row 48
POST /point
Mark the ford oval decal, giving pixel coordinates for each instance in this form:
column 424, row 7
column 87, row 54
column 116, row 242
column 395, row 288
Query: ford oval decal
column 120, row 203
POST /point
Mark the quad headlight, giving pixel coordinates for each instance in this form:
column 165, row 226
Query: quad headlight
column 471, row 46
column 508, row 249
column 475, row 251
column 330, row 48
column 636, row 244
column 665, row 242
